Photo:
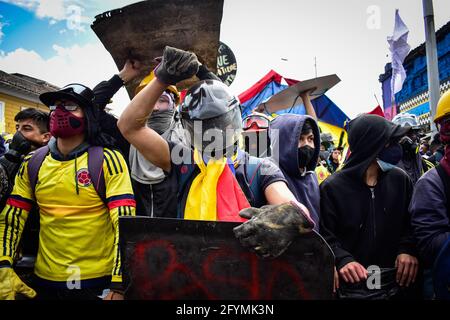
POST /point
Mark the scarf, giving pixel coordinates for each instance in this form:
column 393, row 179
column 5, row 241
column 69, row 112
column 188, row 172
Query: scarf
column 215, row 194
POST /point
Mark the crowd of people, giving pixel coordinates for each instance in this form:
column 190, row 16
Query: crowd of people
column 68, row 175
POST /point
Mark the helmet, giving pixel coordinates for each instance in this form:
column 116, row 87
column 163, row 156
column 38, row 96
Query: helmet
column 149, row 78
column 443, row 107
column 406, row 119
column 256, row 122
column 75, row 92
column 326, row 139
column 210, row 106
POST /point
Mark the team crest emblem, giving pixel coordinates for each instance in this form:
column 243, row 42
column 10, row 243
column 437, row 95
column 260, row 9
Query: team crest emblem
column 84, row 178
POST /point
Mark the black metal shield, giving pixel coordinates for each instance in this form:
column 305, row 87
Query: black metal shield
column 167, row 259
column 142, row 30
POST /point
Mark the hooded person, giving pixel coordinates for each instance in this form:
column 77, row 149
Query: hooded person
column 364, row 206
column 297, row 140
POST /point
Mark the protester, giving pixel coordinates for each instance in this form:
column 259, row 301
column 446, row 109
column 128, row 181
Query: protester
column 213, row 178
column 296, row 139
column 334, row 161
column 32, row 133
column 430, row 204
column 436, row 149
column 155, row 192
column 255, row 135
column 412, row 161
column 364, row 208
column 80, row 200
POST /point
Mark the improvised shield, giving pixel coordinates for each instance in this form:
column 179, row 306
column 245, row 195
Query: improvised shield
column 142, row 30
column 167, row 259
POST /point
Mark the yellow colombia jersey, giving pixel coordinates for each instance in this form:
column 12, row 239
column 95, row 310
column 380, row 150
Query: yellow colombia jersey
column 77, row 230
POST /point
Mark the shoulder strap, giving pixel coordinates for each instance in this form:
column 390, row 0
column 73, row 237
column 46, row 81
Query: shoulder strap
column 95, row 168
column 446, row 181
column 34, row 164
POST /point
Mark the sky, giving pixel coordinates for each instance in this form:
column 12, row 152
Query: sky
column 52, row 40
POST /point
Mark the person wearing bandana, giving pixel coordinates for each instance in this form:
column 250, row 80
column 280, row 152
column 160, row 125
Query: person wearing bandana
column 430, row 204
column 217, row 181
column 156, row 192
column 364, row 211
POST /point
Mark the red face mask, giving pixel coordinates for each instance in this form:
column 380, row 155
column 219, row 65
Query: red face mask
column 445, row 132
column 63, row 124
column 445, row 138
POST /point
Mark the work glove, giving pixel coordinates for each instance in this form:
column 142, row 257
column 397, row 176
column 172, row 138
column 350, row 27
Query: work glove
column 176, row 65
column 18, row 148
column 272, row 228
column 10, row 285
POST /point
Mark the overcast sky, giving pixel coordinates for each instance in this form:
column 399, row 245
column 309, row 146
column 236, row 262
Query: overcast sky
column 348, row 37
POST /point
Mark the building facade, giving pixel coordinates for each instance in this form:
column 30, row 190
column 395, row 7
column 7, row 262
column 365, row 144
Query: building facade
column 414, row 96
column 19, row 92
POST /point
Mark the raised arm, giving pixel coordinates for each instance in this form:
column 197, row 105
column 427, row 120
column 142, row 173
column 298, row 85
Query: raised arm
column 177, row 65
column 308, row 105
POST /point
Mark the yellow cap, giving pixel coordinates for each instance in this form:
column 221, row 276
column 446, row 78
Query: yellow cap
column 149, row 78
column 443, row 107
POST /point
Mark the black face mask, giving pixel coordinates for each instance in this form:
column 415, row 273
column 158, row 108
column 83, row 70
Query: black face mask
column 392, row 154
column 305, row 155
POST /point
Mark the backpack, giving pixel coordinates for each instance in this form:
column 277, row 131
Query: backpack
column 95, row 168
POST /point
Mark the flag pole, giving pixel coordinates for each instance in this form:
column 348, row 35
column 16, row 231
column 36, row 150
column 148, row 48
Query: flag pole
column 376, row 99
column 432, row 60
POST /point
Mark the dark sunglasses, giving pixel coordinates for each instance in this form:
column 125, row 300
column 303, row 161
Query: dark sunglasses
column 69, row 106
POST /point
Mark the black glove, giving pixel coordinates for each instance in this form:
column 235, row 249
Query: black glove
column 205, row 74
column 410, row 147
column 176, row 65
column 18, row 148
column 271, row 229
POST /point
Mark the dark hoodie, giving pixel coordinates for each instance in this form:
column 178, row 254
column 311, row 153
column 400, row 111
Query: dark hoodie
column 363, row 224
column 304, row 186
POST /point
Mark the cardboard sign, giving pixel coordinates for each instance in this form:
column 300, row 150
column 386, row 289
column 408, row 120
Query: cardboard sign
column 290, row 96
column 168, row 259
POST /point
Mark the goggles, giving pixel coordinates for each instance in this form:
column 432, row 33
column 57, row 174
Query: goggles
column 255, row 122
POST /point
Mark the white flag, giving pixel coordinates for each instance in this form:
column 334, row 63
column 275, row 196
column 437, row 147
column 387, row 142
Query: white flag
column 399, row 48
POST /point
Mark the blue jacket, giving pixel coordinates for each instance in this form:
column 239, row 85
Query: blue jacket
column 430, row 215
